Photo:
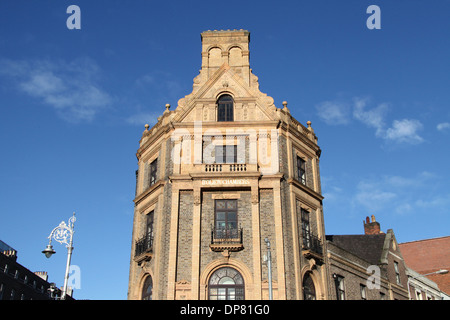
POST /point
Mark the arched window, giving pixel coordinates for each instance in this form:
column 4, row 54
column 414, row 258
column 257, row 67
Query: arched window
column 309, row 291
column 147, row 290
column 225, row 108
column 226, row 284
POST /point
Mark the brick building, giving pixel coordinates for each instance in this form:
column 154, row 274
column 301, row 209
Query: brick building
column 227, row 169
column 428, row 256
column 367, row 266
column 19, row 283
column 216, row 176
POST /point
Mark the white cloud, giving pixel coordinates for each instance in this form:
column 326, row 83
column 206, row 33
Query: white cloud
column 142, row 118
column 443, row 126
column 400, row 194
column 401, row 131
column 334, row 113
column 71, row 88
column 373, row 196
column 404, row 131
column 373, row 118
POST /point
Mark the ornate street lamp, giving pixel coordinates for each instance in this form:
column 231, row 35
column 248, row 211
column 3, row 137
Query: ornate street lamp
column 63, row 234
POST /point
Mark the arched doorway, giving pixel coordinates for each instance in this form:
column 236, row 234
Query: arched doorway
column 226, row 284
column 309, row 290
column 147, row 289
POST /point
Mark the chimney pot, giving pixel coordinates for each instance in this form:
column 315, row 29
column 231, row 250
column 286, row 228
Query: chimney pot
column 371, row 227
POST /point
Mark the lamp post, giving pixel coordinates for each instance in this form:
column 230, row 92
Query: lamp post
column 63, row 234
column 441, row 271
column 269, row 267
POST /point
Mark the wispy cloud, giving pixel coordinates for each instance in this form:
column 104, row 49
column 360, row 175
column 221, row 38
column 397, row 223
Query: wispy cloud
column 334, row 113
column 373, row 118
column 443, row 126
column 142, row 118
column 71, row 88
column 342, row 113
column 399, row 194
column 405, row 130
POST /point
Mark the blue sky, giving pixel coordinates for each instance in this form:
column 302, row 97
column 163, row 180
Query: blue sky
column 74, row 103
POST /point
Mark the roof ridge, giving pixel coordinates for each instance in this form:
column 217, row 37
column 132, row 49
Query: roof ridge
column 420, row 240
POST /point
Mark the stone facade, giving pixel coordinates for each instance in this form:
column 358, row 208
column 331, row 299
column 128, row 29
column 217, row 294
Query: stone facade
column 183, row 251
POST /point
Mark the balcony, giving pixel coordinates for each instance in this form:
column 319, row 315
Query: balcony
column 313, row 248
column 221, row 168
column 225, row 167
column 226, row 239
column 144, row 249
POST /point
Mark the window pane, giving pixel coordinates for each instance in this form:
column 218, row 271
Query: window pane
column 231, row 294
column 232, row 217
column 226, row 280
column 221, row 111
column 220, row 216
column 231, row 204
column 220, row 204
column 220, row 225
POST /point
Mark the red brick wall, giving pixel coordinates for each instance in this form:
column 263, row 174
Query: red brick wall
column 429, row 255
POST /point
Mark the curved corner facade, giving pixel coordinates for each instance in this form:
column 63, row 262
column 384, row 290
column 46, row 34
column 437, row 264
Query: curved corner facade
column 217, row 175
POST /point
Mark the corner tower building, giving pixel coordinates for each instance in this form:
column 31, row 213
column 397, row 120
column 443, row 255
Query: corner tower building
column 216, row 176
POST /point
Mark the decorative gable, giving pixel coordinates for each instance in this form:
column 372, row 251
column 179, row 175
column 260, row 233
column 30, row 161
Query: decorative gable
column 225, row 70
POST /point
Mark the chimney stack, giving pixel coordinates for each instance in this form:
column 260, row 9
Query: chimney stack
column 11, row 254
column 42, row 274
column 371, row 227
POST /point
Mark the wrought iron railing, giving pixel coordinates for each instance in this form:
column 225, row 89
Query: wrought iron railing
column 226, row 235
column 313, row 244
column 143, row 245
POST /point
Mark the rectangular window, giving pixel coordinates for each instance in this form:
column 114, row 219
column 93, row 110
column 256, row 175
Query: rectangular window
column 301, row 170
column 149, row 231
column 362, row 288
column 340, row 290
column 418, row 295
column 306, row 229
column 226, row 154
column 226, row 219
column 153, row 172
column 397, row 272
column 149, row 228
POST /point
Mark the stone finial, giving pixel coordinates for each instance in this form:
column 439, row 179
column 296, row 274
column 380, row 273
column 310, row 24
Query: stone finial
column 167, row 108
column 146, row 127
column 285, row 108
column 309, row 124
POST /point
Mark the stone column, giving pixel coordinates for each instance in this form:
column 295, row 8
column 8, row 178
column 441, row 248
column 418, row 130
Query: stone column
column 256, row 239
column 173, row 245
column 196, row 230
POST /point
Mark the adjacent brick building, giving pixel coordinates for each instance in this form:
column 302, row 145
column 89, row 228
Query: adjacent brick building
column 19, row 283
column 367, row 266
column 428, row 256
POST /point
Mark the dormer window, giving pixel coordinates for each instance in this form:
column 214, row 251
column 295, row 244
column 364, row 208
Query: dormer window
column 225, row 108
